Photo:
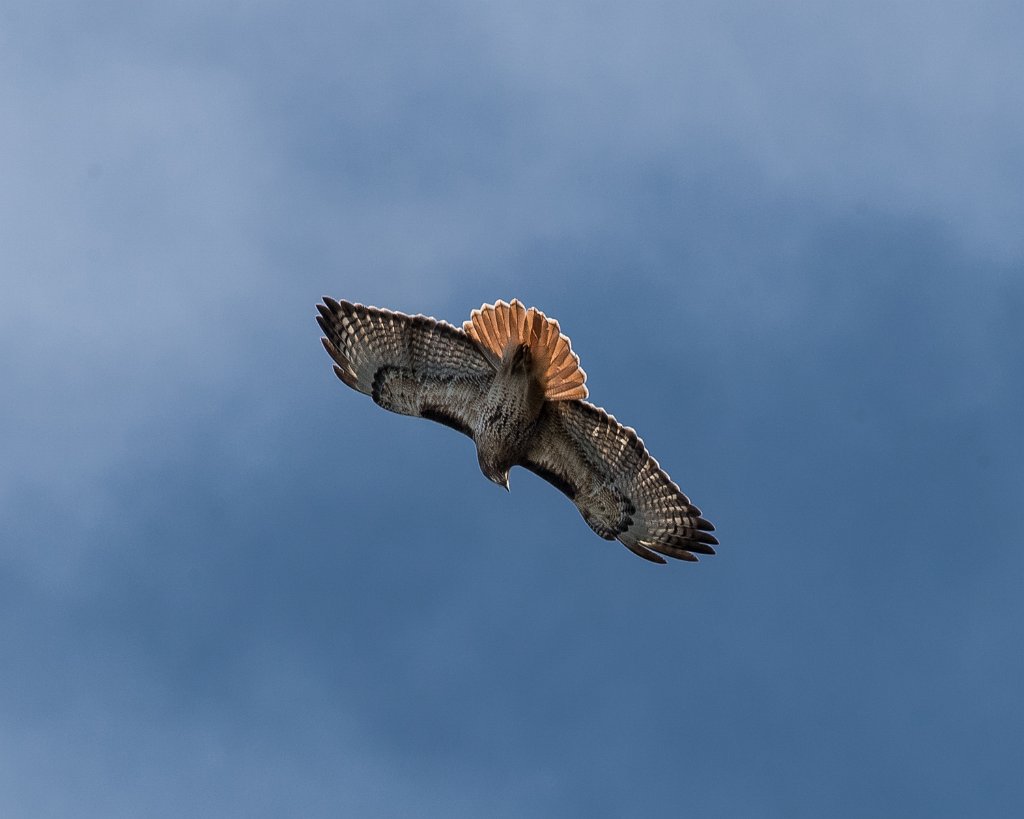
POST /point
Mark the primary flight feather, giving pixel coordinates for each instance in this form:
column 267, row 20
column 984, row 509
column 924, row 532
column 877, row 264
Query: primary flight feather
column 510, row 381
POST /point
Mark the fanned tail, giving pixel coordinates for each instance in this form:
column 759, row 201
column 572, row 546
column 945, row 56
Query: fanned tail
column 495, row 327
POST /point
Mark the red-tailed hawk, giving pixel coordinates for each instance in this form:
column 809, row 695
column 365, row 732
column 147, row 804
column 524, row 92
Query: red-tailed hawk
column 510, row 381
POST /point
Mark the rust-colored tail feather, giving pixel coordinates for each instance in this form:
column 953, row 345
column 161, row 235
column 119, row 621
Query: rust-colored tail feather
column 496, row 326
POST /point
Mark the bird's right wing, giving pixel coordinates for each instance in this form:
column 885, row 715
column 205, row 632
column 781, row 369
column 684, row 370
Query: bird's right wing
column 618, row 487
column 413, row 365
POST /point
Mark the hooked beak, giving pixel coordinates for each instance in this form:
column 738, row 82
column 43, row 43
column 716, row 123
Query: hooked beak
column 494, row 474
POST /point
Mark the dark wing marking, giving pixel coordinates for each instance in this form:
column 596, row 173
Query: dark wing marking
column 444, row 416
column 413, row 365
column 618, row 487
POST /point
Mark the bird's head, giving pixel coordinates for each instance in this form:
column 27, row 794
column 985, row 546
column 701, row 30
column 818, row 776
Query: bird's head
column 494, row 471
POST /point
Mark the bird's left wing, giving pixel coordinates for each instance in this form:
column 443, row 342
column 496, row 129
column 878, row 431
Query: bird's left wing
column 618, row 487
column 413, row 365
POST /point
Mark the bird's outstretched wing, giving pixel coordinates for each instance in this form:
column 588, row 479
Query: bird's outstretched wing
column 618, row 487
column 413, row 365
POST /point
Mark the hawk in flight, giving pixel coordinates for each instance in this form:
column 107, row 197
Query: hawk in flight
column 510, row 381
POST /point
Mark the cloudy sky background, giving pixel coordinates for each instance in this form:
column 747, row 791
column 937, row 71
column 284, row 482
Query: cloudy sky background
column 786, row 241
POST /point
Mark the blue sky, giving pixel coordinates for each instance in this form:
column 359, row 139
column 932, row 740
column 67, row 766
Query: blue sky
column 785, row 240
